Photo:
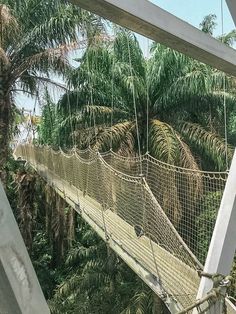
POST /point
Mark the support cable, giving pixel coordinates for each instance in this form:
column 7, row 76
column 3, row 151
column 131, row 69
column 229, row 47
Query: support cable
column 134, row 104
column 140, row 158
column 112, row 95
column 90, row 115
column 224, row 91
column 34, row 114
column 76, row 121
column 70, row 119
column 98, row 158
column 147, row 91
column 147, row 85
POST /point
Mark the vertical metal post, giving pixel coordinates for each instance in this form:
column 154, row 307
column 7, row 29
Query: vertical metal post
column 232, row 8
column 223, row 244
column 20, row 292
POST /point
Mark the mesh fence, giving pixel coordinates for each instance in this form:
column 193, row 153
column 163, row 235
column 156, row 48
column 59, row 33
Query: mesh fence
column 189, row 198
column 163, row 216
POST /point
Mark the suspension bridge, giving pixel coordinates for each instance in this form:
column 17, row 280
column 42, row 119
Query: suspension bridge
column 149, row 218
column 160, row 219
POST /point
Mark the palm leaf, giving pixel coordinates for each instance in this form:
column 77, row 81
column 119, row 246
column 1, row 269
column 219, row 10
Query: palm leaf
column 119, row 135
column 187, row 159
column 163, row 143
column 210, row 144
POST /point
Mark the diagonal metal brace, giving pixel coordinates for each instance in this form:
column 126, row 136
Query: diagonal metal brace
column 20, row 292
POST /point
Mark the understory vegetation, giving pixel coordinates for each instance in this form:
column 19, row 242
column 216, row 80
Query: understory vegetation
column 78, row 272
column 167, row 104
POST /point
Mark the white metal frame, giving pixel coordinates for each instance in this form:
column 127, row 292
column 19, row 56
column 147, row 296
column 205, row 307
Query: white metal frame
column 232, row 8
column 20, row 292
column 147, row 19
column 223, row 243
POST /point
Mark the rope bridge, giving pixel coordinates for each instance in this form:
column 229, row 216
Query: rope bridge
column 162, row 218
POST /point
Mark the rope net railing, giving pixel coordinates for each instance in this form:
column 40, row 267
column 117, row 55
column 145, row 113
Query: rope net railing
column 190, row 198
column 171, row 210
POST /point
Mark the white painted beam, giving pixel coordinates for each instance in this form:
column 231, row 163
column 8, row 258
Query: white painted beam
column 147, row 19
column 20, row 292
column 223, row 244
column 232, row 8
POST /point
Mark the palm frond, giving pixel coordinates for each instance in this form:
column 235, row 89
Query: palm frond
column 9, row 25
column 46, row 60
column 187, row 159
column 127, row 50
column 102, row 110
column 210, row 144
column 80, row 253
column 229, row 38
column 69, row 287
column 117, row 136
column 208, row 24
column 142, row 303
column 163, row 144
column 4, row 58
column 42, row 81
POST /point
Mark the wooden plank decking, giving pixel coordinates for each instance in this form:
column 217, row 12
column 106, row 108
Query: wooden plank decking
column 167, row 275
column 174, row 281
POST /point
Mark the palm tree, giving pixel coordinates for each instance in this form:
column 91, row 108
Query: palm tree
column 47, row 126
column 174, row 104
column 178, row 103
column 208, row 26
column 98, row 281
column 35, row 38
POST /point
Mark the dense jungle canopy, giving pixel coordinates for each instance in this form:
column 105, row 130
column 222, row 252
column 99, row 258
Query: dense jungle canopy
column 112, row 97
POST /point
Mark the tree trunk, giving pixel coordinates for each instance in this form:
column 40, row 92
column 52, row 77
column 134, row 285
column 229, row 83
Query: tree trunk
column 4, row 133
column 58, row 232
column 70, row 228
column 26, row 213
column 4, row 111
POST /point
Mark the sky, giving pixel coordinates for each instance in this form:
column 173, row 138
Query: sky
column 191, row 11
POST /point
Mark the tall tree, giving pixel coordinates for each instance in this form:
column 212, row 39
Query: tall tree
column 35, row 38
column 208, row 24
column 99, row 282
column 178, row 103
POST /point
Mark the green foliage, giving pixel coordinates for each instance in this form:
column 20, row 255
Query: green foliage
column 43, row 33
column 91, row 278
column 206, row 220
column 232, row 128
column 42, row 258
column 99, row 282
column 208, row 24
column 12, row 166
column 185, row 111
column 114, row 76
column 36, row 38
column 207, row 143
column 48, row 127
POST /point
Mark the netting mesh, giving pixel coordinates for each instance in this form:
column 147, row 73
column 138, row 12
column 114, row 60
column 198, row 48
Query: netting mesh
column 163, row 217
column 190, row 198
